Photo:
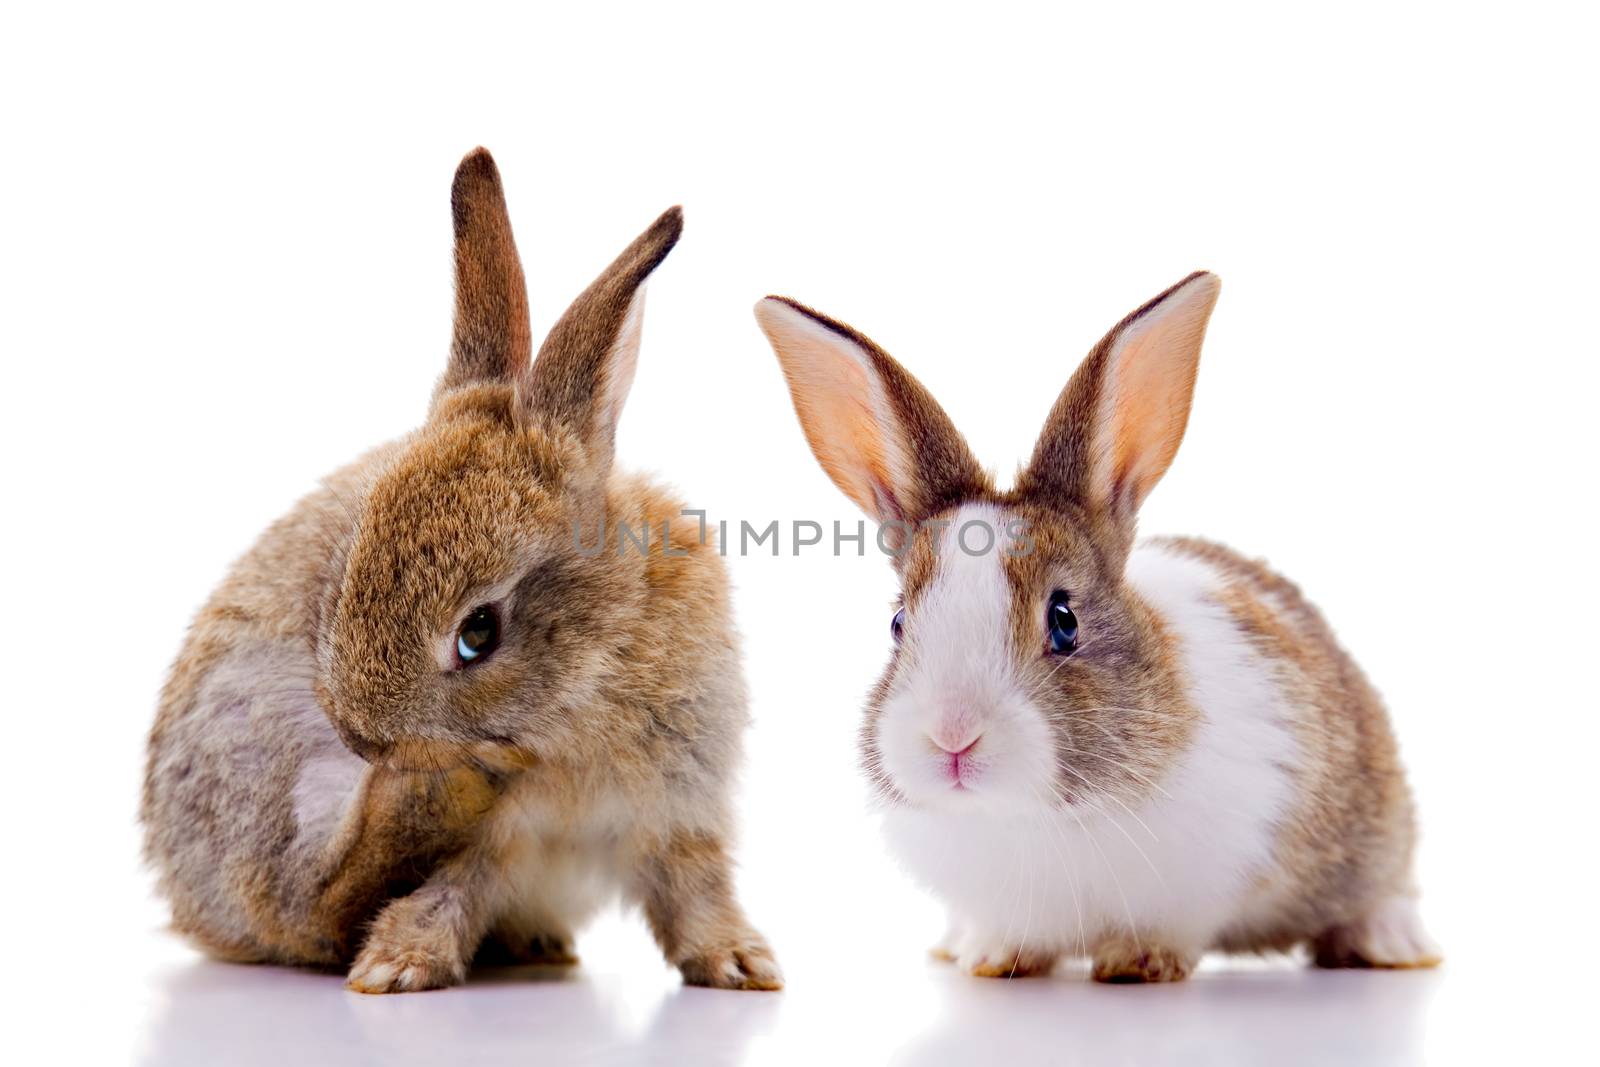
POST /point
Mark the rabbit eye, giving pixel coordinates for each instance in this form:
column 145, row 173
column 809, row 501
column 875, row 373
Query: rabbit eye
column 897, row 625
column 478, row 636
column 1063, row 624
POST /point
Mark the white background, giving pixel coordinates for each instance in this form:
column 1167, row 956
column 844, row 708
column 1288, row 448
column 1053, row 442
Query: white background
column 224, row 248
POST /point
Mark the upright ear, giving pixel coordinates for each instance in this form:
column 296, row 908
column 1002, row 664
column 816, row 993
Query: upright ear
column 1116, row 427
column 585, row 366
column 877, row 432
column 491, row 340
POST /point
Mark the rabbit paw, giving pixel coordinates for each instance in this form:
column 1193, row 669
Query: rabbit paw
column 406, row 952
column 948, row 950
column 1007, row 963
column 1391, row 935
column 745, row 963
column 1126, row 961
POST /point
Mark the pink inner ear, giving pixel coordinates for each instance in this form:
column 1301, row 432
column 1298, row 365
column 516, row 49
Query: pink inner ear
column 1151, row 412
column 837, row 399
column 1151, row 381
column 841, row 426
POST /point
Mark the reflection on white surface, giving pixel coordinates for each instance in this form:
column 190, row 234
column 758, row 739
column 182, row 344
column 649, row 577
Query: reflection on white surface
column 1273, row 1015
column 213, row 1013
column 861, row 991
column 1247, row 1013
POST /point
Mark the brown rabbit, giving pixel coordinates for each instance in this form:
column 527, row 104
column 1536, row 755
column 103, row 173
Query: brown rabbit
column 1088, row 746
column 423, row 716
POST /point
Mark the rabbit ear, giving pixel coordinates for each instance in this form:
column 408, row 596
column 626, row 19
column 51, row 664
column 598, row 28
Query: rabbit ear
column 491, row 340
column 877, row 432
column 585, row 366
column 1117, row 425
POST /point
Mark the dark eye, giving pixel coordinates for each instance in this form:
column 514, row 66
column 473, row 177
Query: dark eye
column 897, row 625
column 478, row 636
column 1063, row 624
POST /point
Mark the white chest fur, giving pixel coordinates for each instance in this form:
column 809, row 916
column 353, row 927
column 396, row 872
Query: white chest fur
column 557, row 868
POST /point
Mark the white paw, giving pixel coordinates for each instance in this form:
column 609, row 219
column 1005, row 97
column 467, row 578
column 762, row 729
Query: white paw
column 948, row 948
column 376, row 973
column 1391, row 935
column 403, row 955
column 993, row 959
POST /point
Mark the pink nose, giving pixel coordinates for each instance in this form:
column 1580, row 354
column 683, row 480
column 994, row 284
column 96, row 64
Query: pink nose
column 959, row 752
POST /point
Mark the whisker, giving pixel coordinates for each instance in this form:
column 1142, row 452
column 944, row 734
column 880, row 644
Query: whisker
column 1087, row 800
column 1119, row 763
column 1149, row 713
column 1053, row 831
column 1005, row 940
column 1121, row 743
column 1124, row 832
column 1115, row 878
column 1107, row 793
column 1027, row 927
column 1045, row 680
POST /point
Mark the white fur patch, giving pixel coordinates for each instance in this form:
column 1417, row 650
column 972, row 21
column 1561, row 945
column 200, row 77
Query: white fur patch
column 322, row 794
column 958, row 684
column 623, row 359
column 1392, row 935
column 1180, row 866
column 557, row 871
column 254, row 708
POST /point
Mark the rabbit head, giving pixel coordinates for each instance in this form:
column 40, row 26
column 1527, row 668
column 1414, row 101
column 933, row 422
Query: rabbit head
column 1022, row 660
column 460, row 616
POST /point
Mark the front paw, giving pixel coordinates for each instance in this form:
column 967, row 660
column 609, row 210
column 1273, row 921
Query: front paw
column 948, row 950
column 1128, row 962
column 744, row 963
column 1007, row 963
column 405, row 954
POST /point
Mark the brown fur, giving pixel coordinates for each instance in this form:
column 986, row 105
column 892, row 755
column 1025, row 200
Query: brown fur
column 1123, row 960
column 492, row 339
column 606, row 724
column 1349, row 841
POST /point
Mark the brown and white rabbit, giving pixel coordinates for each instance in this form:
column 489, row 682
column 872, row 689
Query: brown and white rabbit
column 424, row 716
column 1088, row 747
